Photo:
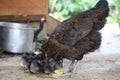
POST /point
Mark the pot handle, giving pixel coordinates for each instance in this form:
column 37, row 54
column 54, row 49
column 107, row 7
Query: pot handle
column 42, row 20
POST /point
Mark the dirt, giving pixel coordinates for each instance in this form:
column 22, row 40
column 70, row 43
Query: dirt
column 92, row 67
column 103, row 64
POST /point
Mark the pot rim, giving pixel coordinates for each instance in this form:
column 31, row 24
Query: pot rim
column 13, row 25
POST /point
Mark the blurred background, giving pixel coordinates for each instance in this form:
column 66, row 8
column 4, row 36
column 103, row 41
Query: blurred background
column 61, row 9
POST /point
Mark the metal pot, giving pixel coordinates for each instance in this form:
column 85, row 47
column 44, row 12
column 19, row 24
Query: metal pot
column 17, row 37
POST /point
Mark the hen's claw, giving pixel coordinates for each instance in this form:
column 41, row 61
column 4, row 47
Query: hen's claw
column 72, row 69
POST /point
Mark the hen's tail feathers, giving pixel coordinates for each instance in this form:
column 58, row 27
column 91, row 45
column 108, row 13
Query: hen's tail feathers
column 101, row 10
column 101, row 3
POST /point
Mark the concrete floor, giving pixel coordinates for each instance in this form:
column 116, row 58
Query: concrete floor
column 103, row 64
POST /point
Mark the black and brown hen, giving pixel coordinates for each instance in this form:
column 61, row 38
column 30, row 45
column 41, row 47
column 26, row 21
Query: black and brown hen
column 77, row 36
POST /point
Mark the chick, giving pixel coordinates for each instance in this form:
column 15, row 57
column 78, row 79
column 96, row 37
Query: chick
column 51, row 64
column 36, row 67
column 27, row 58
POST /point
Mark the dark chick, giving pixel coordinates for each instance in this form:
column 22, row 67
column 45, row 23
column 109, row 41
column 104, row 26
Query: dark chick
column 37, row 63
column 27, row 58
column 51, row 64
column 36, row 66
column 33, row 62
column 77, row 36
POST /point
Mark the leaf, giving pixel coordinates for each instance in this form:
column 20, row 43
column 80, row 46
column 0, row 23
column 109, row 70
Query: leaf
column 58, row 7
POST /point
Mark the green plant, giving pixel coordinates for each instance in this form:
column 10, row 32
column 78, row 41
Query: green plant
column 69, row 8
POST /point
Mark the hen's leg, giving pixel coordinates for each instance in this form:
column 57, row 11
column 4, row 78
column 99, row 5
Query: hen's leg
column 72, row 69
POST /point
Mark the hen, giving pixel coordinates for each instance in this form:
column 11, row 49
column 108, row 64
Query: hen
column 77, row 36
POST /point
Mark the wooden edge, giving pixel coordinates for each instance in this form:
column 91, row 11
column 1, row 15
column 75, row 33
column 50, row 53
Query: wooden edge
column 22, row 18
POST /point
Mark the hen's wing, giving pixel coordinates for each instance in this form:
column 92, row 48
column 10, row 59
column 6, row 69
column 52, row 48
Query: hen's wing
column 72, row 30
